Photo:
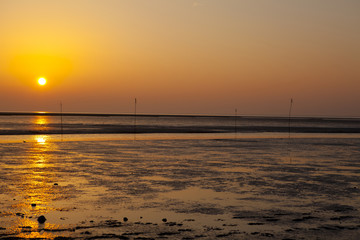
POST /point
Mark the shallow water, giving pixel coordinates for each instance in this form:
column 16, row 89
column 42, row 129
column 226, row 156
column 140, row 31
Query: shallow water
column 211, row 187
column 52, row 123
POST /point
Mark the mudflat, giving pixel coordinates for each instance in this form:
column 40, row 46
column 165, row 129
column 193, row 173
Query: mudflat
column 241, row 188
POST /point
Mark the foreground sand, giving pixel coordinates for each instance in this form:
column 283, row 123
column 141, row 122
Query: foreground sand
column 259, row 188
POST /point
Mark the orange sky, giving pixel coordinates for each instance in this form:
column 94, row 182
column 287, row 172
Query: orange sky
column 181, row 56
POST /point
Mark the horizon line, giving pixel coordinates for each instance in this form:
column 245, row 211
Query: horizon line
column 94, row 114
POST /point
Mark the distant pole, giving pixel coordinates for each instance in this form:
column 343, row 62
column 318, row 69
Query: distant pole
column 61, row 120
column 291, row 103
column 235, row 122
column 135, row 116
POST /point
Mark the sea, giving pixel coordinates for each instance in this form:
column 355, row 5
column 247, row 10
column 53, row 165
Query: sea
column 15, row 124
column 108, row 176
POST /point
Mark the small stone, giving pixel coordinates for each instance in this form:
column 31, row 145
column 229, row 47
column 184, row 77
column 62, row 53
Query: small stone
column 125, row 219
column 22, row 215
column 55, row 184
column 41, row 219
column 164, row 220
column 33, row 204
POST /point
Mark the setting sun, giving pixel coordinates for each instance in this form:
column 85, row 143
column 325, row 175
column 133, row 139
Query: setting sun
column 42, row 81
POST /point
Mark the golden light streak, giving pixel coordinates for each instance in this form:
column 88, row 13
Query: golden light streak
column 40, row 140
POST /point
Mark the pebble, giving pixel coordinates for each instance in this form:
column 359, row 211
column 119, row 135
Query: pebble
column 164, row 220
column 125, row 219
column 41, row 219
column 20, row 214
column 33, row 204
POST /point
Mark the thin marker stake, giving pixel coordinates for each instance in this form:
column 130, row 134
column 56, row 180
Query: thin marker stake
column 61, row 120
column 135, row 117
column 235, row 122
column 291, row 103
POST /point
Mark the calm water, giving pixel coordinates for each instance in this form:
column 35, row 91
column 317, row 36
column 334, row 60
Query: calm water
column 37, row 124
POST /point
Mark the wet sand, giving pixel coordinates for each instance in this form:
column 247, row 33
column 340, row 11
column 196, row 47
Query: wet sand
column 258, row 188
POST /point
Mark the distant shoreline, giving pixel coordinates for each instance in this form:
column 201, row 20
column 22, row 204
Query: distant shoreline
column 143, row 129
column 254, row 117
column 219, row 124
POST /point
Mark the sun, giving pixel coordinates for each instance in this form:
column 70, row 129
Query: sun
column 42, row 81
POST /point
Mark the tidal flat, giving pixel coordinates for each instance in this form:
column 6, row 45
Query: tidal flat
column 180, row 188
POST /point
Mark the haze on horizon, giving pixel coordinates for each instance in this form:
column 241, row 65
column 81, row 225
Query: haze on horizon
column 181, row 56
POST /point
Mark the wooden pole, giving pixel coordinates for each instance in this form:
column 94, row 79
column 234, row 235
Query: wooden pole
column 291, row 103
column 235, row 122
column 61, row 119
column 135, row 116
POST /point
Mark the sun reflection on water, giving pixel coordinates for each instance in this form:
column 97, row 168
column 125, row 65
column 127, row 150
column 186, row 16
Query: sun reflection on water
column 40, row 140
column 38, row 176
column 35, row 190
column 40, row 123
column 30, row 228
column 41, row 120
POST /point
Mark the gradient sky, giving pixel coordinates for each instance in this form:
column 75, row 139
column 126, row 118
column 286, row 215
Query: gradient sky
column 181, row 56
